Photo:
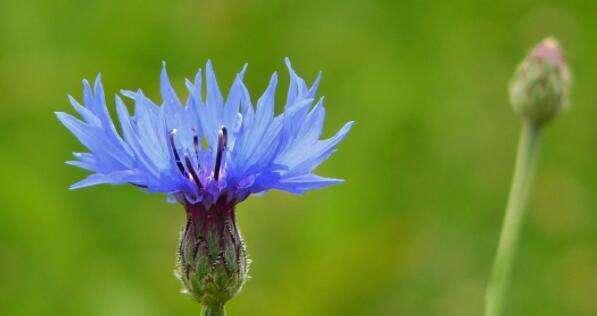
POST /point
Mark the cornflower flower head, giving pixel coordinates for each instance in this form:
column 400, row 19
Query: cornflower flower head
column 207, row 153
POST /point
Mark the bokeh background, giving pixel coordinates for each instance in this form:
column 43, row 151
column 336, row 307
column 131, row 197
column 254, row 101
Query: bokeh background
column 412, row 231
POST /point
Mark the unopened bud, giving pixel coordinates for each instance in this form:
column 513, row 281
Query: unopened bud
column 541, row 84
column 213, row 263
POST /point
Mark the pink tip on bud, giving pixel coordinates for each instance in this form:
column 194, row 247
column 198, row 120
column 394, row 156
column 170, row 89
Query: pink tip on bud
column 549, row 50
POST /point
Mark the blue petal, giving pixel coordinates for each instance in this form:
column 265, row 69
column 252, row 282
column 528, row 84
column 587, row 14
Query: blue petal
column 302, row 183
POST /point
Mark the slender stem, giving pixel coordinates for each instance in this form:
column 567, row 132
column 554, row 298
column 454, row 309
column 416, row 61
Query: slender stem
column 213, row 310
column 515, row 212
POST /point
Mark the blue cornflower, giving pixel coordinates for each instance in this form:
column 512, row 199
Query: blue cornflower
column 208, row 154
column 209, row 147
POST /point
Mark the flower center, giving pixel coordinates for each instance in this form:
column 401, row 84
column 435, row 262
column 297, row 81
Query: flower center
column 190, row 171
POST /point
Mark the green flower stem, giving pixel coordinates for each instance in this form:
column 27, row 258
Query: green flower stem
column 515, row 212
column 213, row 310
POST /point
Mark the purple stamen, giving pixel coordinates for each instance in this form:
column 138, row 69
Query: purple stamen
column 196, row 143
column 175, row 152
column 193, row 172
column 222, row 142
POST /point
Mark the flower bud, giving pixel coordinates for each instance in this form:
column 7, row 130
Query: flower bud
column 541, row 84
column 213, row 263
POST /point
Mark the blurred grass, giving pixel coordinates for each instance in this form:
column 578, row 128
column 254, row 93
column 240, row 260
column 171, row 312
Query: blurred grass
column 411, row 232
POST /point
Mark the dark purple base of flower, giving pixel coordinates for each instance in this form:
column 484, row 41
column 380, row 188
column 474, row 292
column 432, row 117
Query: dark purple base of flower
column 213, row 263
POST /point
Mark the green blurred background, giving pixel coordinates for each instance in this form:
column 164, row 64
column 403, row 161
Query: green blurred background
column 411, row 232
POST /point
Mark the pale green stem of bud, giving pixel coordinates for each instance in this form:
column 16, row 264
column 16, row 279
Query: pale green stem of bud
column 540, row 86
column 515, row 213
